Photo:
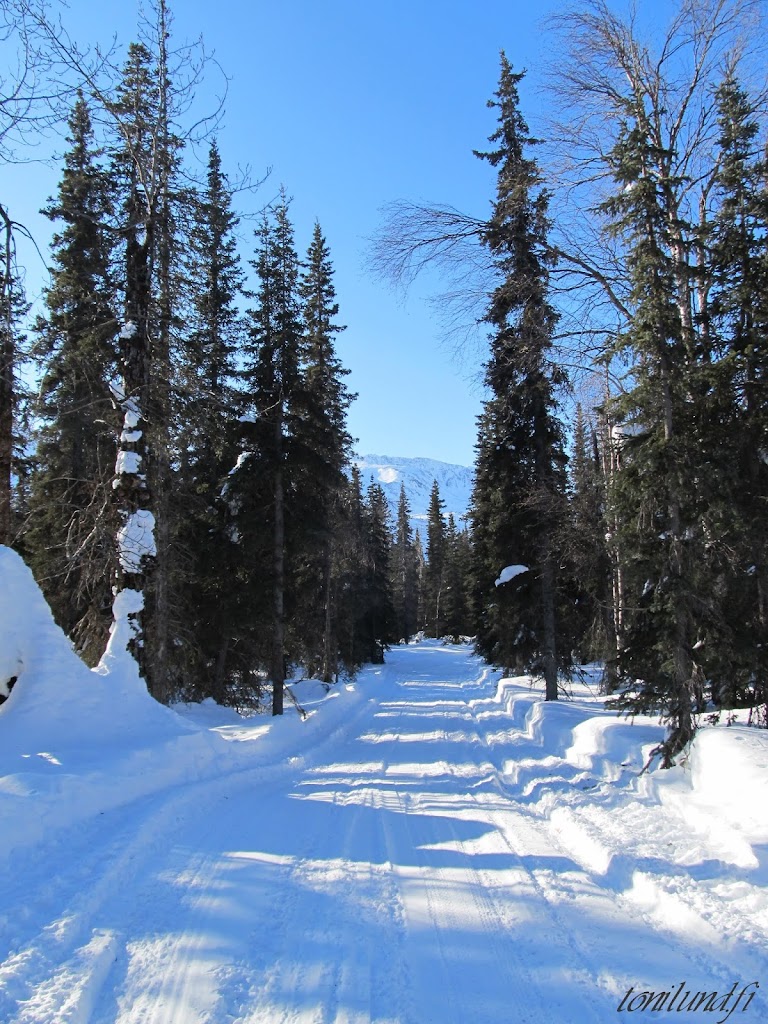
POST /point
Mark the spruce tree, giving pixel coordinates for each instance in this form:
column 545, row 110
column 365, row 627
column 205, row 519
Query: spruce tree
column 518, row 496
column 659, row 502
column 145, row 170
column 405, row 571
column 456, row 581
column 208, row 405
column 434, row 574
column 13, row 309
column 585, row 548
column 377, row 623
column 736, row 407
column 356, row 635
column 265, row 483
column 72, row 525
column 137, row 171
column 321, row 452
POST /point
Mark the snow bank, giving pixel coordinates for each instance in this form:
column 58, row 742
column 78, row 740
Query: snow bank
column 76, row 742
column 719, row 790
column 589, row 749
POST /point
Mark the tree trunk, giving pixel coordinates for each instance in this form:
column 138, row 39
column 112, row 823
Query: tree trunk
column 549, row 631
column 7, row 358
column 278, row 608
column 329, row 666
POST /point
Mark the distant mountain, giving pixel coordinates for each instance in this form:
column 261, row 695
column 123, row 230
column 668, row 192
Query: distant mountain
column 454, row 482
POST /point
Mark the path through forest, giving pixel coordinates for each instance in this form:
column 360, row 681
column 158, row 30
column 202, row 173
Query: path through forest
column 445, row 857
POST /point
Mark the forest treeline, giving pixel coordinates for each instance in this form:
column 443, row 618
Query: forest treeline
column 185, row 460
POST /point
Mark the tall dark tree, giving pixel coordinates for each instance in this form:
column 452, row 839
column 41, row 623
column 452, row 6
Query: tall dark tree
column 585, row 548
column 377, row 623
column 661, row 507
column 13, row 309
column 139, row 169
column 72, row 523
column 207, row 407
column 366, row 616
column 352, row 575
column 144, row 113
column 736, row 402
column 405, row 571
column 322, row 446
column 434, row 573
column 273, row 379
column 457, row 563
column 519, row 482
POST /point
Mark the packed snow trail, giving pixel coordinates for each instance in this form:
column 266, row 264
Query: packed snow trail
column 443, row 858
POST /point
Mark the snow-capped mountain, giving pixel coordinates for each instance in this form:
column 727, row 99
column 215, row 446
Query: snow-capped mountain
column 454, row 483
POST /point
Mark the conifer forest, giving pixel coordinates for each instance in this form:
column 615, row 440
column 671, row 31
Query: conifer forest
column 175, row 453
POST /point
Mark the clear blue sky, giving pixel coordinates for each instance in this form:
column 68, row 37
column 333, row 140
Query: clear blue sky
column 354, row 104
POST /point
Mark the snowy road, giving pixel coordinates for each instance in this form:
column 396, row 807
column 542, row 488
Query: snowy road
column 445, row 858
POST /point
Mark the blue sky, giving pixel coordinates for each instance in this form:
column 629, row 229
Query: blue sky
column 353, row 105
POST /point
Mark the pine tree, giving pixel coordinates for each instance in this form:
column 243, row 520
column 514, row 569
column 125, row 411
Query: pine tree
column 659, row 503
column 585, row 548
column 13, row 309
column 405, row 571
column 456, row 580
column 735, row 404
column 71, row 525
column 145, row 170
column 421, row 573
column 273, row 380
column 519, row 481
column 207, row 409
column 434, row 574
column 377, row 624
column 355, row 637
column 321, row 453
column 137, row 170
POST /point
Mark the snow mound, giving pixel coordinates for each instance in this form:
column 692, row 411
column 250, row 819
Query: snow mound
column 58, row 703
column 76, row 742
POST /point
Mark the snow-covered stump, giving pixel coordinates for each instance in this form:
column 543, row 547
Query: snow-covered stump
column 136, row 546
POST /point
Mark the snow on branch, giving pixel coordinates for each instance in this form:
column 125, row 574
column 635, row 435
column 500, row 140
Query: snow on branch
column 509, row 572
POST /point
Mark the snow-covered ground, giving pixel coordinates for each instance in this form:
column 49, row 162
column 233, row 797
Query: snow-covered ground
column 432, row 844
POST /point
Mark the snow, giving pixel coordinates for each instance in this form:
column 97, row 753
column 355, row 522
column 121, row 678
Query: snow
column 387, row 474
column 132, row 416
column 509, row 572
column 127, row 462
column 417, row 475
column 433, row 844
column 136, row 540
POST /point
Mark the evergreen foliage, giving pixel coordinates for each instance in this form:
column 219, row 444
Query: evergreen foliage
column 520, row 481
column 158, row 396
column 13, row 309
column 208, row 402
column 434, row 572
column 323, row 450
column 457, row 565
column 72, row 523
column 585, row 549
column 405, row 572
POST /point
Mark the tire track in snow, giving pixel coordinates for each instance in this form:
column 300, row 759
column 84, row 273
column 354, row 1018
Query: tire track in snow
column 459, row 899
column 81, row 896
column 38, row 956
